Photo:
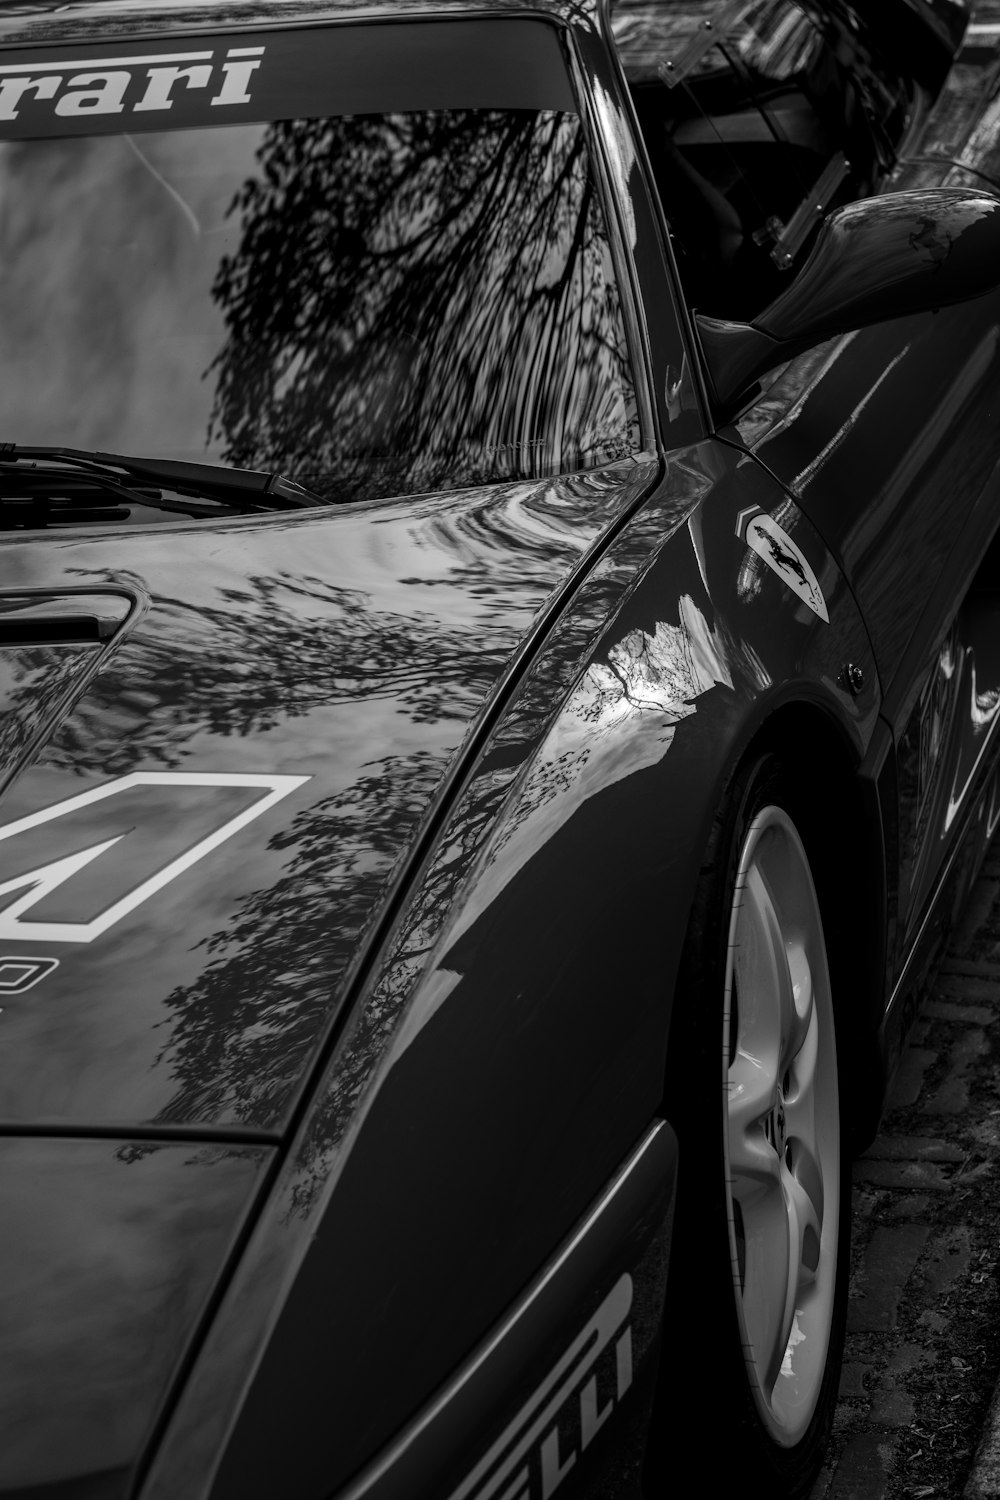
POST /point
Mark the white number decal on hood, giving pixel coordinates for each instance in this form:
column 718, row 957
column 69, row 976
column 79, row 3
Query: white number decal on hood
column 39, row 882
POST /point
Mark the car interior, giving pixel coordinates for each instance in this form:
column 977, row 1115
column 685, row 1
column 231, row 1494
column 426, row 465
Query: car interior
column 755, row 127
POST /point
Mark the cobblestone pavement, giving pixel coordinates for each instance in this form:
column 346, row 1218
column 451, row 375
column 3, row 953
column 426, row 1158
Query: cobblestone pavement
column 923, row 1344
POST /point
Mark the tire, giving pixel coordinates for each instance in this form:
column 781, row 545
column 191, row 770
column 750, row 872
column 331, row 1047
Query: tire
column 757, row 1298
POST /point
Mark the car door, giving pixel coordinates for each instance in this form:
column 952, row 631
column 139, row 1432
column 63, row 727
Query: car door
column 887, row 437
column 884, row 436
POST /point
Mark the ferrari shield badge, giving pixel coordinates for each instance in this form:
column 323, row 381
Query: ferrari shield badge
column 775, row 547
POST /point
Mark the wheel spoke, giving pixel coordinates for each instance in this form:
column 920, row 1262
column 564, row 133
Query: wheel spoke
column 773, row 978
column 751, row 1090
column 799, row 1014
column 782, row 1231
column 800, row 1100
column 753, row 1166
column 768, row 1308
column 763, row 980
column 805, row 1229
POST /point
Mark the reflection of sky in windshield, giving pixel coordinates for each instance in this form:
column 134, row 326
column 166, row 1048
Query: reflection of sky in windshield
column 378, row 304
column 109, row 247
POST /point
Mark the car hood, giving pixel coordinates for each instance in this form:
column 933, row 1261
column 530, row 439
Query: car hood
column 108, row 1260
column 206, row 811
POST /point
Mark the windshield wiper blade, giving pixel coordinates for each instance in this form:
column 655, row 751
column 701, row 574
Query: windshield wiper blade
column 240, row 487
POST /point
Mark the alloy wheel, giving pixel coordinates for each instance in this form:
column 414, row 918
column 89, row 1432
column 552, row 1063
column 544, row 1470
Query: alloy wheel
column 781, row 1126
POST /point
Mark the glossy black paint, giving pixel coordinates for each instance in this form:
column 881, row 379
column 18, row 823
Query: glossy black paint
column 356, row 649
column 109, row 1260
column 431, row 988
column 625, row 1236
column 923, row 387
column 883, row 258
column 888, row 257
column 546, row 899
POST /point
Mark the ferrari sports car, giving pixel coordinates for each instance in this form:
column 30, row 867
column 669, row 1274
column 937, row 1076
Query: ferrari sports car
column 499, row 685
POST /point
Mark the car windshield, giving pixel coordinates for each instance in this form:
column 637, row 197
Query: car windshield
column 414, row 292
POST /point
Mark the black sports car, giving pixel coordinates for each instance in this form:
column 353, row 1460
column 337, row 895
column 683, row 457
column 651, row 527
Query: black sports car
column 499, row 683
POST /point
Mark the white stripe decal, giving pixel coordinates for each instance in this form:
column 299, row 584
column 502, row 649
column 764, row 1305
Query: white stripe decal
column 44, row 879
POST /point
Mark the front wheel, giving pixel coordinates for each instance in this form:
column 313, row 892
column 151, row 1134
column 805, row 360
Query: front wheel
column 758, row 1281
column 781, row 1128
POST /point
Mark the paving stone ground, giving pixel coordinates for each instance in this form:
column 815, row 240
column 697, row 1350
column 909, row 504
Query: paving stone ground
column 923, row 1344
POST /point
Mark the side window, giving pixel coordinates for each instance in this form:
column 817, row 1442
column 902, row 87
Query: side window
column 754, row 126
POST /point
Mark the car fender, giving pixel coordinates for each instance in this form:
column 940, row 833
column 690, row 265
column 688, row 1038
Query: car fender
column 505, row 1053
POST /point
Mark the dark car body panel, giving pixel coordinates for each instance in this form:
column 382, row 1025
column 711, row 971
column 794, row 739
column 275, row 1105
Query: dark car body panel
column 922, row 426
column 110, row 1254
column 912, row 405
column 430, row 988
column 615, row 1264
column 674, row 639
column 301, row 648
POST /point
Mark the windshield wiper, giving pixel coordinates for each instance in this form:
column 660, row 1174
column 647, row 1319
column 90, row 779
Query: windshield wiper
column 247, row 489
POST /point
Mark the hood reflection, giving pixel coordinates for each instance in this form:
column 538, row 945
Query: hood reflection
column 355, row 648
column 621, row 719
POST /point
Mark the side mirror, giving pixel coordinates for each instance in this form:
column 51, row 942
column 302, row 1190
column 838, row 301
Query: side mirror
column 881, row 258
